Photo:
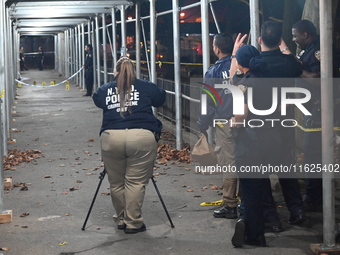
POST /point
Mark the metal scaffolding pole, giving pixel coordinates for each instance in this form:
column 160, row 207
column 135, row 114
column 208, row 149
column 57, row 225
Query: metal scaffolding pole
column 67, row 63
column 254, row 22
column 56, row 52
column 94, row 52
column 6, row 93
column 114, row 36
column 82, row 62
column 215, row 20
column 138, row 51
column 76, row 51
column 71, row 50
column 123, row 28
column 2, row 119
column 326, row 27
column 80, row 50
column 153, row 48
column 97, row 55
column 177, row 72
column 59, row 52
column 206, row 47
column 88, row 33
column 104, row 47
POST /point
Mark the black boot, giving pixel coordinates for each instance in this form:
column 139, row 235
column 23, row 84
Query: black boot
column 226, row 212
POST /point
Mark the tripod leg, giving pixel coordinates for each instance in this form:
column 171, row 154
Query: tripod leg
column 161, row 199
column 101, row 177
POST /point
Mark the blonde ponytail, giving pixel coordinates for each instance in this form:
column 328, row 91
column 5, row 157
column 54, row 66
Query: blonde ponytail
column 125, row 78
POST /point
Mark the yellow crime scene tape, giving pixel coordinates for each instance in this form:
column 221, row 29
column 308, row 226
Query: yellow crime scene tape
column 218, row 202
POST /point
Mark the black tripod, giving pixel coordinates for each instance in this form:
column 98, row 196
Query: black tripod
column 101, row 177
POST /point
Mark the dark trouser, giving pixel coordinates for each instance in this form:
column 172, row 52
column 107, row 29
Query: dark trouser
column 313, row 155
column 22, row 65
column 255, row 147
column 40, row 64
column 89, row 81
column 252, row 200
column 290, row 186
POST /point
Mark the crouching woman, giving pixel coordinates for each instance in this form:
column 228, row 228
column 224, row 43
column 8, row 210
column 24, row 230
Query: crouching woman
column 129, row 136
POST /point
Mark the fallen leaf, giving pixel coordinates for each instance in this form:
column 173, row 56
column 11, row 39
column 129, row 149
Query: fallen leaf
column 24, row 188
column 187, row 169
column 72, row 189
column 4, row 249
column 184, row 186
column 24, row 214
column 106, row 193
column 214, row 187
column 64, row 193
column 197, row 196
column 91, row 140
column 68, row 214
column 47, row 176
column 24, row 226
column 79, row 181
column 190, row 190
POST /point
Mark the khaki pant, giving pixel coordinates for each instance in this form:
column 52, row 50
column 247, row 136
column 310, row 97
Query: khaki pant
column 129, row 157
column 225, row 150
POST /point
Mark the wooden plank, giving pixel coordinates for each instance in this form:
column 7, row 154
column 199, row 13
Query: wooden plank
column 8, row 183
column 6, row 217
column 319, row 250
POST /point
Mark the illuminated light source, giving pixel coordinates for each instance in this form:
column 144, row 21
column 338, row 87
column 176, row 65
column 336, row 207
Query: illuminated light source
column 182, row 14
column 128, row 55
column 161, row 56
column 130, row 18
column 148, row 50
column 182, row 21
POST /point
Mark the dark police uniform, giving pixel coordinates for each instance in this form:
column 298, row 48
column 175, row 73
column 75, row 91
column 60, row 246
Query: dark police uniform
column 255, row 147
column 40, row 59
column 225, row 143
column 89, row 73
column 310, row 58
column 217, row 74
column 284, row 66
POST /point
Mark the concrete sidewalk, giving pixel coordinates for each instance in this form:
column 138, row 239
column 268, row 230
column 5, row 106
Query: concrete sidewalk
column 65, row 127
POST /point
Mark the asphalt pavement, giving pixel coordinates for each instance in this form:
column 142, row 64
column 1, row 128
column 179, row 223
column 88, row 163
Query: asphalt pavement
column 49, row 214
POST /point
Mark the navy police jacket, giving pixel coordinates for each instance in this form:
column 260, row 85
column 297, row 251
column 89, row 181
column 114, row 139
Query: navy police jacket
column 217, row 74
column 143, row 96
column 89, row 60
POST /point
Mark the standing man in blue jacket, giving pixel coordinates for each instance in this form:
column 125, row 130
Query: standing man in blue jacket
column 217, row 74
column 88, row 66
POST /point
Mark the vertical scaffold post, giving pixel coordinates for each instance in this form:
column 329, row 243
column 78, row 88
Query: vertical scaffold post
column 177, row 72
column 114, row 36
column 326, row 26
column 153, row 48
column 97, row 55
column 104, row 47
column 123, row 28
column 254, row 22
column 138, row 56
